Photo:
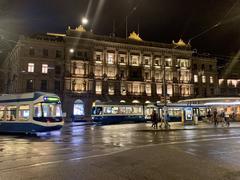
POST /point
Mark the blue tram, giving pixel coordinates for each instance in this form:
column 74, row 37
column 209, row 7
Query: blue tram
column 115, row 113
column 30, row 113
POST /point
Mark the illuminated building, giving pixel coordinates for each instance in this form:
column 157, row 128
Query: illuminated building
column 83, row 68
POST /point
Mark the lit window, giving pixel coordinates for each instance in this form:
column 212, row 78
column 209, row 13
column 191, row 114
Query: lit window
column 110, row 58
column 135, row 60
column 220, row 81
column 98, row 87
column 123, row 89
column 98, row 57
column 122, row 59
column 30, row 67
column 111, row 90
column 195, row 77
column 98, row 71
column 78, row 108
column 211, row 79
column 148, row 89
column 157, row 62
column 169, row 89
column 168, row 62
column 24, row 112
column 159, row 89
column 44, row 68
column 203, row 79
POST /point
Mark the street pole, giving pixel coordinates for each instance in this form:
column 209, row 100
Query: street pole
column 164, row 92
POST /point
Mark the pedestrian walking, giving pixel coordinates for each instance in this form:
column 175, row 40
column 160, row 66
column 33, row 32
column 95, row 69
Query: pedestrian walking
column 215, row 117
column 154, row 119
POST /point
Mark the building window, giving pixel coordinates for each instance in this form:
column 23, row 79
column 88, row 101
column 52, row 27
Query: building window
column 157, row 62
column 147, row 61
column 32, row 52
column 78, row 108
column 147, row 76
column 110, row 58
column 98, row 87
column 111, row 73
column 123, row 90
column 168, row 62
column 111, row 89
column 135, row 60
column 203, row 79
column 58, row 54
column 30, row 67
column 122, row 59
column 203, row 67
column 122, row 74
column 29, row 85
column 57, row 85
column 157, row 76
column 43, row 85
column 148, row 89
column 159, row 89
column 169, row 89
column 195, row 78
column 211, row 79
column 45, row 52
column 98, row 71
column 98, row 57
column 58, row 69
column 44, row 68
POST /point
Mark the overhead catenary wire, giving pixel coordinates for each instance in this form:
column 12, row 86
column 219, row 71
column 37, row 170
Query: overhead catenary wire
column 221, row 22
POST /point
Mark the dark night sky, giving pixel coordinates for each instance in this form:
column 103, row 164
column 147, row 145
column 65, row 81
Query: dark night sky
column 160, row 20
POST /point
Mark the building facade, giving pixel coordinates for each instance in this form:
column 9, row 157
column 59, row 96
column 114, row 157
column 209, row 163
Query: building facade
column 84, row 68
column 205, row 76
column 229, row 78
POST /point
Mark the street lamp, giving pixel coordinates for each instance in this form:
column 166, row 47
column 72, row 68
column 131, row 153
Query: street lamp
column 84, row 21
column 71, row 50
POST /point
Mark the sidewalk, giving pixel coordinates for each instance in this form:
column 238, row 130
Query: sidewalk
column 179, row 126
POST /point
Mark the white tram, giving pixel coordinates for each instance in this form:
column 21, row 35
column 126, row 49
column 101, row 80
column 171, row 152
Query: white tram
column 30, row 113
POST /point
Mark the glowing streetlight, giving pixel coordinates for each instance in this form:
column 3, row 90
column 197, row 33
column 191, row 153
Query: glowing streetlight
column 84, row 21
column 71, row 50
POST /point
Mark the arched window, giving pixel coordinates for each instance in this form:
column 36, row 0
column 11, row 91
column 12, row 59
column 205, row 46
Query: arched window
column 78, row 108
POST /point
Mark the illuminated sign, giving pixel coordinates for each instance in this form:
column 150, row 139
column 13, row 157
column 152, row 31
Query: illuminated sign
column 51, row 99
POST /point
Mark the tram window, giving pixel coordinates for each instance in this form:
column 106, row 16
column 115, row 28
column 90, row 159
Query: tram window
column 11, row 112
column 114, row 110
column 122, row 110
column 24, row 112
column 51, row 110
column 107, row 110
column 37, row 110
column 137, row 110
column 2, row 113
column 98, row 111
column 128, row 110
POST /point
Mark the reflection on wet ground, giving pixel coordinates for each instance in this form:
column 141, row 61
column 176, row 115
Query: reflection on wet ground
column 75, row 141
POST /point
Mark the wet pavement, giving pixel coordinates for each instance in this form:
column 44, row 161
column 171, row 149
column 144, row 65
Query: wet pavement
column 127, row 151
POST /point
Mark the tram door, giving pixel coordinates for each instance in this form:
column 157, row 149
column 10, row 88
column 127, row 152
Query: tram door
column 188, row 115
